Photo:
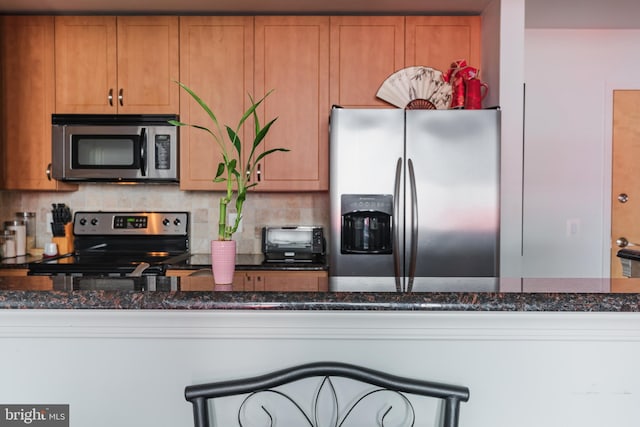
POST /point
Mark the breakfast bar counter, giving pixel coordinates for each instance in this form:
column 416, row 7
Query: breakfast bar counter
column 529, row 359
column 33, row 292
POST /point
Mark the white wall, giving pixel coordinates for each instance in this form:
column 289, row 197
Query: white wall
column 130, row 367
column 569, row 76
column 511, row 72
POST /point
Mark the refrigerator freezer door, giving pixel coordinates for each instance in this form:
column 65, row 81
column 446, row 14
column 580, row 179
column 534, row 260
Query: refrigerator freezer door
column 455, row 157
column 365, row 146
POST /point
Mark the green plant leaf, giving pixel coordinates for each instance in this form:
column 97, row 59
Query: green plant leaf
column 252, row 108
column 260, row 135
column 242, row 196
column 230, row 170
column 202, row 104
column 235, row 140
column 231, row 165
column 273, row 150
column 220, row 170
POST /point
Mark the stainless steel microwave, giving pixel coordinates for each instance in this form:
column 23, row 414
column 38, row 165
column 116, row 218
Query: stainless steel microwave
column 114, row 148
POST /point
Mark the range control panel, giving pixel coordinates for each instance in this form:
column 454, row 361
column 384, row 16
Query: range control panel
column 131, row 223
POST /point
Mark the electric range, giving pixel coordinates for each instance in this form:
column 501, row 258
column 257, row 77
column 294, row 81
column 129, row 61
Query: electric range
column 120, row 250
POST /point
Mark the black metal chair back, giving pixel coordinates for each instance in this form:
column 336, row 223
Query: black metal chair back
column 254, row 387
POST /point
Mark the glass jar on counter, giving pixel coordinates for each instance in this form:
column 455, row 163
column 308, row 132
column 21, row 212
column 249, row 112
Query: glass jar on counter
column 29, row 219
column 7, row 244
column 20, row 236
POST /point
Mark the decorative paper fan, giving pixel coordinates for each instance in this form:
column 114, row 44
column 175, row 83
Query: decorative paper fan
column 416, row 88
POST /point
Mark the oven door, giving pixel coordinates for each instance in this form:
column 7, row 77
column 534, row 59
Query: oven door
column 92, row 153
column 100, row 152
column 68, row 282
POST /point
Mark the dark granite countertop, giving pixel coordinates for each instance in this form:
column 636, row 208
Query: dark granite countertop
column 253, row 262
column 29, row 293
column 19, row 262
column 200, row 261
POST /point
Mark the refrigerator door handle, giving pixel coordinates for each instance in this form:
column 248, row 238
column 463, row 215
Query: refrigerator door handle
column 396, row 231
column 414, row 227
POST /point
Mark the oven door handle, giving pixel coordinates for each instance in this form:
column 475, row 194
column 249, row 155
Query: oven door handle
column 143, row 152
column 139, row 270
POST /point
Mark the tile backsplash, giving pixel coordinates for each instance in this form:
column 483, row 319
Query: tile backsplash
column 260, row 209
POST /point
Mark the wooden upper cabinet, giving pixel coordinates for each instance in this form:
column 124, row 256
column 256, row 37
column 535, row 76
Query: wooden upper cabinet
column 86, row 70
column 27, row 75
column 108, row 64
column 216, row 61
column 148, row 64
column 365, row 50
column 292, row 59
column 437, row 41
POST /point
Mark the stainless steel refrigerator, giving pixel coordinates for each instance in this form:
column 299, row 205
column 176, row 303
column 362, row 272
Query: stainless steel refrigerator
column 414, row 199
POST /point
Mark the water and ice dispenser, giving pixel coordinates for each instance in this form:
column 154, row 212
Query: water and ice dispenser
column 367, row 224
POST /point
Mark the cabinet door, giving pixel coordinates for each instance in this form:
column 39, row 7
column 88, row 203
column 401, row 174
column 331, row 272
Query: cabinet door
column 85, row 48
column 365, row 50
column 205, row 282
column 292, row 59
column 258, row 281
column 216, row 61
column 108, row 64
column 35, row 283
column 148, row 64
column 13, row 272
column 27, row 73
column 437, row 41
column 289, row 281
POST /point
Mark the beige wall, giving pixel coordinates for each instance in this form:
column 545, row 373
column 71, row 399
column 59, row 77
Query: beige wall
column 260, row 209
column 7, row 203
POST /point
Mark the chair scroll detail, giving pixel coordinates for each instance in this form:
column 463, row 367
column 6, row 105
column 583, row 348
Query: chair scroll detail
column 251, row 387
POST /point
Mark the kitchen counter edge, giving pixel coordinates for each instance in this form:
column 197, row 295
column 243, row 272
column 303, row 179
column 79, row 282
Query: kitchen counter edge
column 344, row 301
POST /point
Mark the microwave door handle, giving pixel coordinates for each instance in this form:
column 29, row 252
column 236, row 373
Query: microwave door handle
column 143, row 152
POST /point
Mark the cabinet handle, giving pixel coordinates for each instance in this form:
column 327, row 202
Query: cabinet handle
column 47, row 172
column 121, row 96
column 258, row 173
column 110, row 97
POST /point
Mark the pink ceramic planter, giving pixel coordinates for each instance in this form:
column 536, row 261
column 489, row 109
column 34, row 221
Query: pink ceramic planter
column 223, row 262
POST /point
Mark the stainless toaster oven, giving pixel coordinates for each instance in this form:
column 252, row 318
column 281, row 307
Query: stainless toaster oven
column 293, row 244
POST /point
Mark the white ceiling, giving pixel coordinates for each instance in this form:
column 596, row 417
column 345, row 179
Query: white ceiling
column 539, row 13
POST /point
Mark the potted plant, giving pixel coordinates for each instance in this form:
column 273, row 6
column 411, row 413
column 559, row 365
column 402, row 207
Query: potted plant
column 234, row 170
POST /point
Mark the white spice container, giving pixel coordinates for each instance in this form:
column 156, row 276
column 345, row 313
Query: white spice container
column 29, row 219
column 8, row 240
column 21, row 235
